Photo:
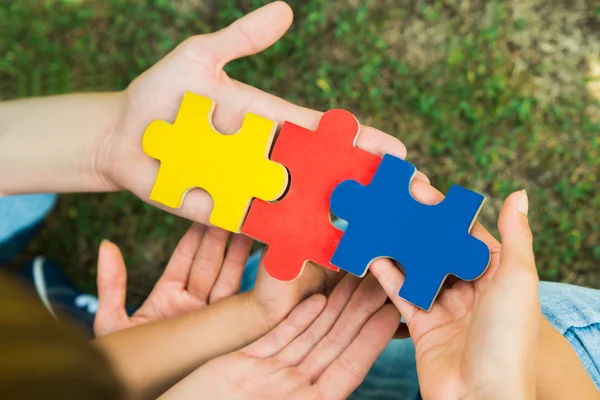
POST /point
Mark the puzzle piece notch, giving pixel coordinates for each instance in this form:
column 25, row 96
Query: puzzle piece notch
column 298, row 228
column 231, row 168
column 430, row 242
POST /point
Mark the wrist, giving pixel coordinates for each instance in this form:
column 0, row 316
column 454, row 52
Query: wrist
column 106, row 147
column 268, row 319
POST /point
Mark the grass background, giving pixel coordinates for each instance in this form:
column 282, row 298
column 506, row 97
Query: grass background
column 493, row 95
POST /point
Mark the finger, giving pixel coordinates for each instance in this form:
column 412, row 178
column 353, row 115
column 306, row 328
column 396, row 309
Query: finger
column 427, row 194
column 276, row 109
column 379, row 143
column 228, row 281
column 509, row 313
column 418, row 322
column 332, row 278
column 177, row 271
column 517, row 255
column 207, row 263
column 422, row 177
column 292, row 326
column 112, row 290
column 140, row 177
column 250, row 34
column 344, row 375
column 297, row 351
column 365, row 301
column 391, row 280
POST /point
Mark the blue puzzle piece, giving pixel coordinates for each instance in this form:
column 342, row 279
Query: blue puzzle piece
column 430, row 242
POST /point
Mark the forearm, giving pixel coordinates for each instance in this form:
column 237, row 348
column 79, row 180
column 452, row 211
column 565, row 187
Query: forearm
column 560, row 372
column 51, row 144
column 152, row 357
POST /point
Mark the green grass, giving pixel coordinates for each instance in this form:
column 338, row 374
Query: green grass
column 470, row 89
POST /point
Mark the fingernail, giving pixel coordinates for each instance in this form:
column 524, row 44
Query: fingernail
column 105, row 241
column 422, row 177
column 523, row 203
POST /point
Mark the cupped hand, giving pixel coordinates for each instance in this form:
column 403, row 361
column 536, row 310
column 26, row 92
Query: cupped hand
column 479, row 338
column 200, row 272
column 276, row 299
column 322, row 350
column 196, row 65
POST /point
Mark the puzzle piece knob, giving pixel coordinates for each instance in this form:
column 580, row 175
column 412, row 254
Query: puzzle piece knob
column 152, row 141
column 344, row 201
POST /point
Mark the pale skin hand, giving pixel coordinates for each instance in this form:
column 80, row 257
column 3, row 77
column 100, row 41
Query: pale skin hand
column 322, row 350
column 196, row 65
column 487, row 339
column 93, row 142
column 200, row 272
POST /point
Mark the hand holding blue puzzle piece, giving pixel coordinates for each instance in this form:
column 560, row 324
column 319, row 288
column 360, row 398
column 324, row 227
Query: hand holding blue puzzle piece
column 430, row 242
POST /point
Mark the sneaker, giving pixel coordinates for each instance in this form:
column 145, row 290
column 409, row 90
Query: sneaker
column 58, row 293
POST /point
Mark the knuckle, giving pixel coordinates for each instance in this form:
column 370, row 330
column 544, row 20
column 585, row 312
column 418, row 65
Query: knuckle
column 217, row 233
column 224, row 290
column 309, row 338
column 204, row 266
column 351, row 367
column 228, row 288
column 335, row 338
column 101, row 326
column 525, row 273
column 526, row 234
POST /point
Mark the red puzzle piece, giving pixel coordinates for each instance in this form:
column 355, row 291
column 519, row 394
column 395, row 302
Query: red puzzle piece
column 298, row 228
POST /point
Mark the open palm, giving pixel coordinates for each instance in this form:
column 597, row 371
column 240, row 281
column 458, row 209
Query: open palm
column 201, row 271
column 305, row 357
column 477, row 335
column 196, row 65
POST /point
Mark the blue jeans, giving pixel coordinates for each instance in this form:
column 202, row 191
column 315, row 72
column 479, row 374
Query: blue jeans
column 19, row 216
column 574, row 311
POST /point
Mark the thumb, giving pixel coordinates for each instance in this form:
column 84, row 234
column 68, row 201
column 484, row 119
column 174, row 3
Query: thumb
column 512, row 318
column 516, row 256
column 252, row 33
column 112, row 290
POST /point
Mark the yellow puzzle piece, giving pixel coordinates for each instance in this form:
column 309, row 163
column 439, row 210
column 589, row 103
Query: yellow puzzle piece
column 231, row 168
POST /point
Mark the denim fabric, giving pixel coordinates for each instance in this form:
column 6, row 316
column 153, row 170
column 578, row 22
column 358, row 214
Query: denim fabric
column 575, row 312
column 250, row 272
column 19, row 215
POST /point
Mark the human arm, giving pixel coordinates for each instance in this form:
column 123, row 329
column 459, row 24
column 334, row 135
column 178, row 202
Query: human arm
column 202, row 271
column 491, row 330
column 326, row 359
column 93, row 142
column 151, row 357
column 195, row 326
